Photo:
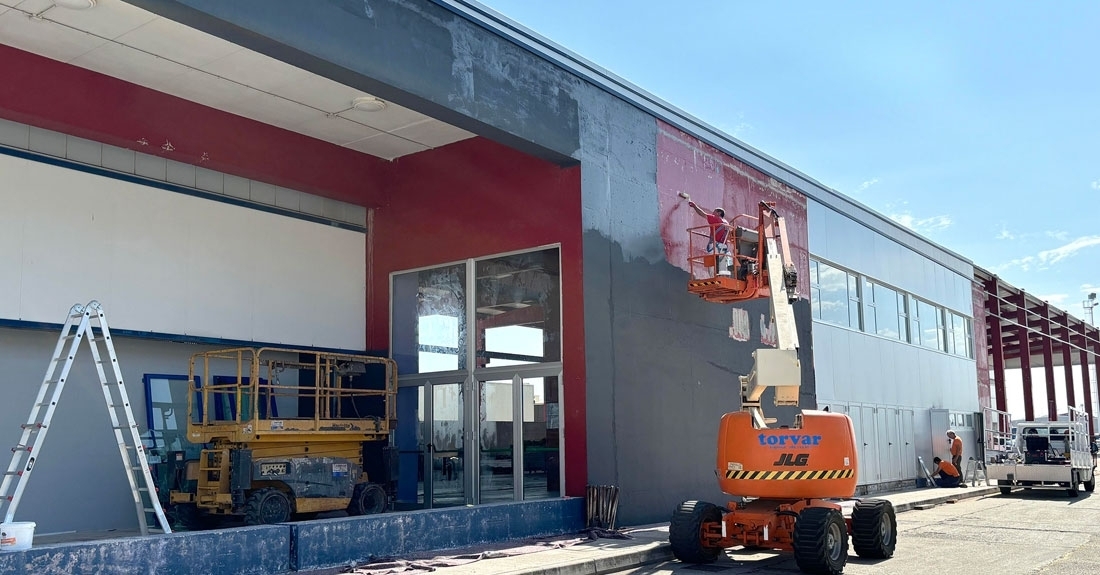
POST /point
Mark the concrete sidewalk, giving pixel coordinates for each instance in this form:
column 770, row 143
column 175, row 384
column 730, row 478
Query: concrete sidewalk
column 649, row 544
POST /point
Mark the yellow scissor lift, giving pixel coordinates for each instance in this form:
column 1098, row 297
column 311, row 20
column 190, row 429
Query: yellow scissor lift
column 268, row 467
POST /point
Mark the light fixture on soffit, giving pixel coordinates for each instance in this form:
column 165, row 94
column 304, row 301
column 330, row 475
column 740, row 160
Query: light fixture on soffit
column 368, row 104
column 75, row 4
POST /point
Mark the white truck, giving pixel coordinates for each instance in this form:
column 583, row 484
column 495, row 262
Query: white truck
column 1043, row 454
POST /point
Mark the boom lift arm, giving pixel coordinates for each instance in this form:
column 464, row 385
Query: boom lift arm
column 779, row 367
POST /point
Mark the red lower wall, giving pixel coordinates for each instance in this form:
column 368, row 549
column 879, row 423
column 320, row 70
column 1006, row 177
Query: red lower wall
column 476, row 198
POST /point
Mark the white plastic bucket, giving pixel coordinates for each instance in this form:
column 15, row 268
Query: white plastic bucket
column 16, row 536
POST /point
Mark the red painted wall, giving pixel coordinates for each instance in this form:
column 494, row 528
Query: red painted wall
column 476, row 198
column 714, row 179
column 56, row 96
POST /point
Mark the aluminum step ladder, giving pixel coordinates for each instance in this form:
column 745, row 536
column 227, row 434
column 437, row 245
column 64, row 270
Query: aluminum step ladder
column 973, row 466
column 85, row 322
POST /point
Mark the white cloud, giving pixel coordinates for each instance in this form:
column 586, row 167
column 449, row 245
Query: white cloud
column 1048, row 257
column 1023, row 263
column 1096, row 184
column 863, row 187
column 1058, row 299
column 1057, row 235
column 1005, row 234
column 922, row 225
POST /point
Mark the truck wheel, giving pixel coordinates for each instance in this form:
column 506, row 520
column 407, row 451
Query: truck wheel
column 874, row 529
column 1005, row 486
column 685, row 532
column 1072, row 491
column 820, row 541
column 1090, row 485
column 367, row 499
column 267, row 506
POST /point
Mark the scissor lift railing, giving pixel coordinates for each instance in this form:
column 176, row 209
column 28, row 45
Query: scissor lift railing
column 248, row 401
column 997, row 434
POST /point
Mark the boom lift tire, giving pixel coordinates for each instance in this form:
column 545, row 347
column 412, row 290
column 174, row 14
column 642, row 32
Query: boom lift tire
column 367, row 499
column 874, row 529
column 685, row 532
column 820, row 541
column 267, row 506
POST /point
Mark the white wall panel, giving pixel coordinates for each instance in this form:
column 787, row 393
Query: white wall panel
column 171, row 263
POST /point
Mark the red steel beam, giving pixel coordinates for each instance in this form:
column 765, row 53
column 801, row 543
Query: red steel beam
column 1025, row 358
column 993, row 324
column 1048, row 361
column 1086, row 382
column 1067, row 362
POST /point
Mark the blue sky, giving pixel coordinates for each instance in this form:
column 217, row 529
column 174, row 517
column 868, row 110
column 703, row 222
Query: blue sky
column 977, row 125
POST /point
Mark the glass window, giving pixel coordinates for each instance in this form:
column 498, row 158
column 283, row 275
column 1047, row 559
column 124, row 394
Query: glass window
column 429, row 320
column 903, row 317
column 833, row 299
column 883, row 303
column 815, row 290
column 969, row 326
column 853, row 301
column 870, row 318
column 930, row 321
column 518, row 309
column 960, row 343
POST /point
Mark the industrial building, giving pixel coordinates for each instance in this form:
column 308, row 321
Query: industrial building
column 428, row 181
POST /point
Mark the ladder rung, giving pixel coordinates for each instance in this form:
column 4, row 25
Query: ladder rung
column 150, row 510
column 32, row 426
column 124, row 427
column 20, row 472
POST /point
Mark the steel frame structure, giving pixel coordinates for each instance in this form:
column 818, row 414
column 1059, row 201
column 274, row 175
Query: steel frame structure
column 1013, row 318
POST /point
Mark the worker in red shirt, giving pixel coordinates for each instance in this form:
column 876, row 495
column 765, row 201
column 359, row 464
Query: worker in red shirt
column 947, row 472
column 956, row 449
column 719, row 233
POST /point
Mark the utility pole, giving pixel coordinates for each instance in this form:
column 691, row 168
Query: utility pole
column 1089, row 304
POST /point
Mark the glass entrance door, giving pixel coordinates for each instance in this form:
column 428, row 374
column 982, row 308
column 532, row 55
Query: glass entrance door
column 447, row 446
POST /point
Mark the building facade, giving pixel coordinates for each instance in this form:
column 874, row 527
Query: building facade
column 505, row 224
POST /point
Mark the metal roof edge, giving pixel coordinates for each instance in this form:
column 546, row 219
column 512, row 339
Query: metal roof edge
column 586, row 69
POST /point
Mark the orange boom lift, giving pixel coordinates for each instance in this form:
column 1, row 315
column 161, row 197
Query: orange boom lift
column 789, row 478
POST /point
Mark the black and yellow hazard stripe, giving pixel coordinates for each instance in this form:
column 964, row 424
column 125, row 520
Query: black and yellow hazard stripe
column 791, row 475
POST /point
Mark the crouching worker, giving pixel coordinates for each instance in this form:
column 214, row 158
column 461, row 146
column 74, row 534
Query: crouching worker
column 946, row 475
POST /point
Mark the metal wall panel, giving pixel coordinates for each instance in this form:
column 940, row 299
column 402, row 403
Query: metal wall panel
column 172, row 263
column 839, row 239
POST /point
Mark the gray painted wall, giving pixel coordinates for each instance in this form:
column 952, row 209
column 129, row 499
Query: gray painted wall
column 78, row 482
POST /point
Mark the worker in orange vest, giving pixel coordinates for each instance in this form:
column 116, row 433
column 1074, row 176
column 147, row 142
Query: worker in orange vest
column 956, row 449
column 947, row 472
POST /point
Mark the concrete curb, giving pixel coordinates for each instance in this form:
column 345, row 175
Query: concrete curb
column 956, row 494
column 653, row 553
column 659, row 552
